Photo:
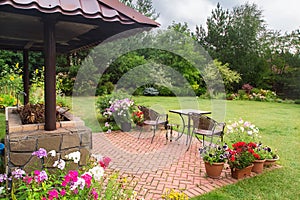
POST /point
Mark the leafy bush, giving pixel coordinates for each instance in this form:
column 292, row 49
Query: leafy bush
column 297, row 101
column 7, row 100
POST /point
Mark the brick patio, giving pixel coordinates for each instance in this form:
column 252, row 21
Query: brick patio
column 158, row 166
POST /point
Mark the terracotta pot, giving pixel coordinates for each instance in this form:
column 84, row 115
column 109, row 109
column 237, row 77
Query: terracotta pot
column 258, row 166
column 241, row 173
column 214, row 170
column 270, row 162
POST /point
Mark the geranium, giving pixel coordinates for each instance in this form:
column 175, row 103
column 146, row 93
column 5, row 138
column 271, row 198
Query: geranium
column 87, row 182
column 215, row 154
column 242, row 131
column 138, row 117
column 242, row 155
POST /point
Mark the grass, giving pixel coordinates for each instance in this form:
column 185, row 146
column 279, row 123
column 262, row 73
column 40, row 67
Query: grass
column 279, row 125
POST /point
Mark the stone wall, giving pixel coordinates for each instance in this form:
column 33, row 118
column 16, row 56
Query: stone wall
column 22, row 140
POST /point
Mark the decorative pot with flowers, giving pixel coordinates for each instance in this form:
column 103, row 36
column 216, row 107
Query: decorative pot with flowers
column 138, row 117
column 214, row 158
column 271, row 156
column 122, row 111
column 240, row 159
column 258, row 164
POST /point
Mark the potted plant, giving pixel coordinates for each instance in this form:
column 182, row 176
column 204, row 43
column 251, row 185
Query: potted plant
column 271, row 156
column 258, row 163
column 122, row 111
column 138, row 117
column 214, row 159
column 240, row 159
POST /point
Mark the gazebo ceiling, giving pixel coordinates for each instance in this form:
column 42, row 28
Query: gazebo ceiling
column 79, row 23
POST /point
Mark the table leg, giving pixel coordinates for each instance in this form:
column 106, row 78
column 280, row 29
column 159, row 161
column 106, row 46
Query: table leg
column 183, row 128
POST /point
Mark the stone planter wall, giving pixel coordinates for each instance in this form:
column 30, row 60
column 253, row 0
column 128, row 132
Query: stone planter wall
column 22, row 140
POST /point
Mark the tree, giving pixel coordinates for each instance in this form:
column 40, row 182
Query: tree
column 234, row 38
column 143, row 6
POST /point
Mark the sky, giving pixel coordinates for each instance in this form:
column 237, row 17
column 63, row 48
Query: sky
column 280, row 15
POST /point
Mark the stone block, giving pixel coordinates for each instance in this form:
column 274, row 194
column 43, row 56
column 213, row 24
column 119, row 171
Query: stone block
column 67, row 124
column 49, row 160
column 23, row 145
column 70, row 141
column 34, row 163
column 84, row 156
column 49, row 142
column 86, row 138
column 19, row 159
column 15, row 129
column 30, row 127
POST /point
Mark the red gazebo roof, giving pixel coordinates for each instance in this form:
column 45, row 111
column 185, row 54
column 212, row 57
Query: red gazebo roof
column 79, row 22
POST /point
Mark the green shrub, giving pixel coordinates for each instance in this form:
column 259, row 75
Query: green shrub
column 297, row 101
column 7, row 100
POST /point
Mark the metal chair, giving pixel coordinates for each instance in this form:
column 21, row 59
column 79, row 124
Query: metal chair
column 206, row 126
column 153, row 119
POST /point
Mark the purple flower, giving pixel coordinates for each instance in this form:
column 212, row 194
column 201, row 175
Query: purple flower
column 3, row 177
column 18, row 173
column 40, row 176
column 40, row 153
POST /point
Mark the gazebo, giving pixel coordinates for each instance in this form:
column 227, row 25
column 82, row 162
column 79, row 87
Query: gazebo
column 55, row 26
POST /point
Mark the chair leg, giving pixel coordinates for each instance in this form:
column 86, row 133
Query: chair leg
column 153, row 133
column 203, row 140
column 140, row 132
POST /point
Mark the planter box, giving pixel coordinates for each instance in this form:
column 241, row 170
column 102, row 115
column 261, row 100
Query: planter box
column 241, row 173
column 21, row 140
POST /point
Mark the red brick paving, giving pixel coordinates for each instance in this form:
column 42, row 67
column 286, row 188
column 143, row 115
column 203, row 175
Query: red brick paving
column 158, row 166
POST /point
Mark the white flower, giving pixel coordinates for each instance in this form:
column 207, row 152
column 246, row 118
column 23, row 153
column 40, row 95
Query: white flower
column 75, row 156
column 97, row 157
column 249, row 132
column 242, row 129
column 52, row 153
column 60, row 164
column 2, row 190
column 97, row 172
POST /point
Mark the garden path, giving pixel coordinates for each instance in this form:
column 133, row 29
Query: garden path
column 155, row 167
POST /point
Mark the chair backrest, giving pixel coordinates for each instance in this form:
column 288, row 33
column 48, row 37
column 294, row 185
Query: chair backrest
column 203, row 122
column 149, row 114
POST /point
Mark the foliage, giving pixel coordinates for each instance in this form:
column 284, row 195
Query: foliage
column 269, row 153
column 11, row 80
column 214, row 154
column 7, row 100
column 241, row 131
column 242, row 155
column 63, row 182
column 171, row 194
column 143, row 6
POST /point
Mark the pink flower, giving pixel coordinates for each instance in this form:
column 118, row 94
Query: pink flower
column 63, row 192
column 87, row 178
column 105, row 162
column 53, row 194
column 27, row 179
column 95, row 194
column 40, row 153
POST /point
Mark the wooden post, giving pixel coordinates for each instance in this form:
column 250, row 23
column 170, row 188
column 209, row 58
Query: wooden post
column 26, row 76
column 50, row 73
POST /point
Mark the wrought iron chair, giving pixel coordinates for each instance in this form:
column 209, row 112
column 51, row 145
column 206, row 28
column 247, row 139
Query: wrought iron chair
column 154, row 119
column 206, row 126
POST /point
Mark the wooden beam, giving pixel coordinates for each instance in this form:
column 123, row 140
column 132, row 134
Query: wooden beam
column 26, row 76
column 50, row 73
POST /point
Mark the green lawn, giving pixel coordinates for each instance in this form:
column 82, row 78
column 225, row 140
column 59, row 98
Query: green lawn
column 279, row 125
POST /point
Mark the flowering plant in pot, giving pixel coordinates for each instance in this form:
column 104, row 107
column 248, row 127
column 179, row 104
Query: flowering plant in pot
column 214, row 158
column 258, row 163
column 240, row 158
column 270, row 155
column 138, row 117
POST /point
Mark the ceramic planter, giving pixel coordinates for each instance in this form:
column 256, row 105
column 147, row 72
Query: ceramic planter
column 270, row 162
column 214, row 170
column 258, row 166
column 241, row 173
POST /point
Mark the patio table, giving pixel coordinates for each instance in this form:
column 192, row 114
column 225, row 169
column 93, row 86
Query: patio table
column 188, row 112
